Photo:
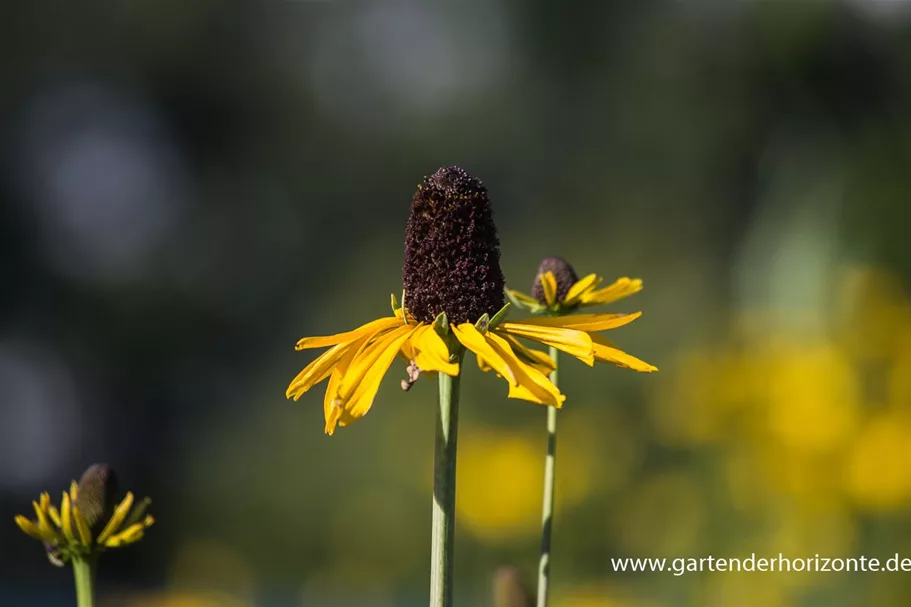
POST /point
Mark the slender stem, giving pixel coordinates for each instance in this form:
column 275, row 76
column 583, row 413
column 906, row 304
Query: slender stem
column 547, row 517
column 444, row 493
column 84, row 572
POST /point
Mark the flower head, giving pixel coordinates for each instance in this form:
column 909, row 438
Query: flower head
column 558, row 290
column 89, row 520
column 453, row 301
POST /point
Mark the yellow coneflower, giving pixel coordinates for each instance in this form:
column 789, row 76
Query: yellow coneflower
column 453, row 301
column 557, row 291
column 88, row 522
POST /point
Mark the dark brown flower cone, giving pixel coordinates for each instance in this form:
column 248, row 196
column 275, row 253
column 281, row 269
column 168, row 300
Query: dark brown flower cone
column 452, row 252
column 98, row 493
column 564, row 274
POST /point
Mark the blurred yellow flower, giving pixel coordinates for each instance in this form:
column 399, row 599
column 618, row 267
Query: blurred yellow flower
column 878, row 470
column 814, row 397
column 87, row 522
column 596, row 595
column 499, row 485
column 184, row 599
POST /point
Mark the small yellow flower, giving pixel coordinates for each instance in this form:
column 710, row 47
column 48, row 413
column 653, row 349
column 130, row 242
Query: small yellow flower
column 89, row 520
column 557, row 290
column 455, row 301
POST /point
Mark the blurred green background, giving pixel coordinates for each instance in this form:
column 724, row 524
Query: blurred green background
column 188, row 188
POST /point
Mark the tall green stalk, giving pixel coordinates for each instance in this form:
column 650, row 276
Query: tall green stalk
column 84, row 572
column 444, row 493
column 547, row 515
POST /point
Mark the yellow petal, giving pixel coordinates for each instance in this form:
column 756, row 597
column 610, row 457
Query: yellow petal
column 531, row 384
column 622, row 287
column 318, row 370
column 367, row 361
column 120, row 513
column 371, row 327
column 582, row 322
column 432, row 353
column 82, row 528
column 33, row 529
column 74, row 491
column 537, row 359
column 54, row 514
column 607, row 352
column 66, row 519
column 379, row 360
column 549, row 284
column 582, row 286
column 131, row 534
column 332, row 412
column 573, row 342
column 471, row 338
column 483, row 365
column 41, row 514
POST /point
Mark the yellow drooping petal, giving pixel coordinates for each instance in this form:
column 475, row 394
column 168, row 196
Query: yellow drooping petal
column 65, row 517
column 332, row 412
column 33, row 529
column 583, row 322
column 361, row 398
column 372, row 327
column 469, row 336
column 319, row 369
column 432, row 354
column 622, row 287
column 581, row 287
column 483, row 365
column 531, row 385
column 120, row 514
column 573, row 342
column 537, row 359
column 368, row 360
column 82, row 528
column 605, row 351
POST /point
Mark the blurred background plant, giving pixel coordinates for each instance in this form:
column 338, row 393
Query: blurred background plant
column 188, row 188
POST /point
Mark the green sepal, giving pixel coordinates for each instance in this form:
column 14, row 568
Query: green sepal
column 537, row 308
column 395, row 303
column 499, row 317
column 441, row 324
column 483, row 323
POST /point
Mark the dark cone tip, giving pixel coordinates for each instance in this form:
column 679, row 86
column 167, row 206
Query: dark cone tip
column 452, row 252
column 98, row 493
column 562, row 271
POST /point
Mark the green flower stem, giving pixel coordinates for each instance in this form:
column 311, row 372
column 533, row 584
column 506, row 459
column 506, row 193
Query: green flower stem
column 84, row 571
column 444, row 493
column 547, row 517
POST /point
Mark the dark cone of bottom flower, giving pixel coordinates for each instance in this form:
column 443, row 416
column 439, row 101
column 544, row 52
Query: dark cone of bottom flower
column 562, row 271
column 452, row 252
column 98, row 492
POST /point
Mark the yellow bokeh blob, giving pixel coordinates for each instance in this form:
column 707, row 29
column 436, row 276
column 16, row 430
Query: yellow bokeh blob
column 878, row 469
column 499, row 484
column 814, row 397
column 595, row 595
